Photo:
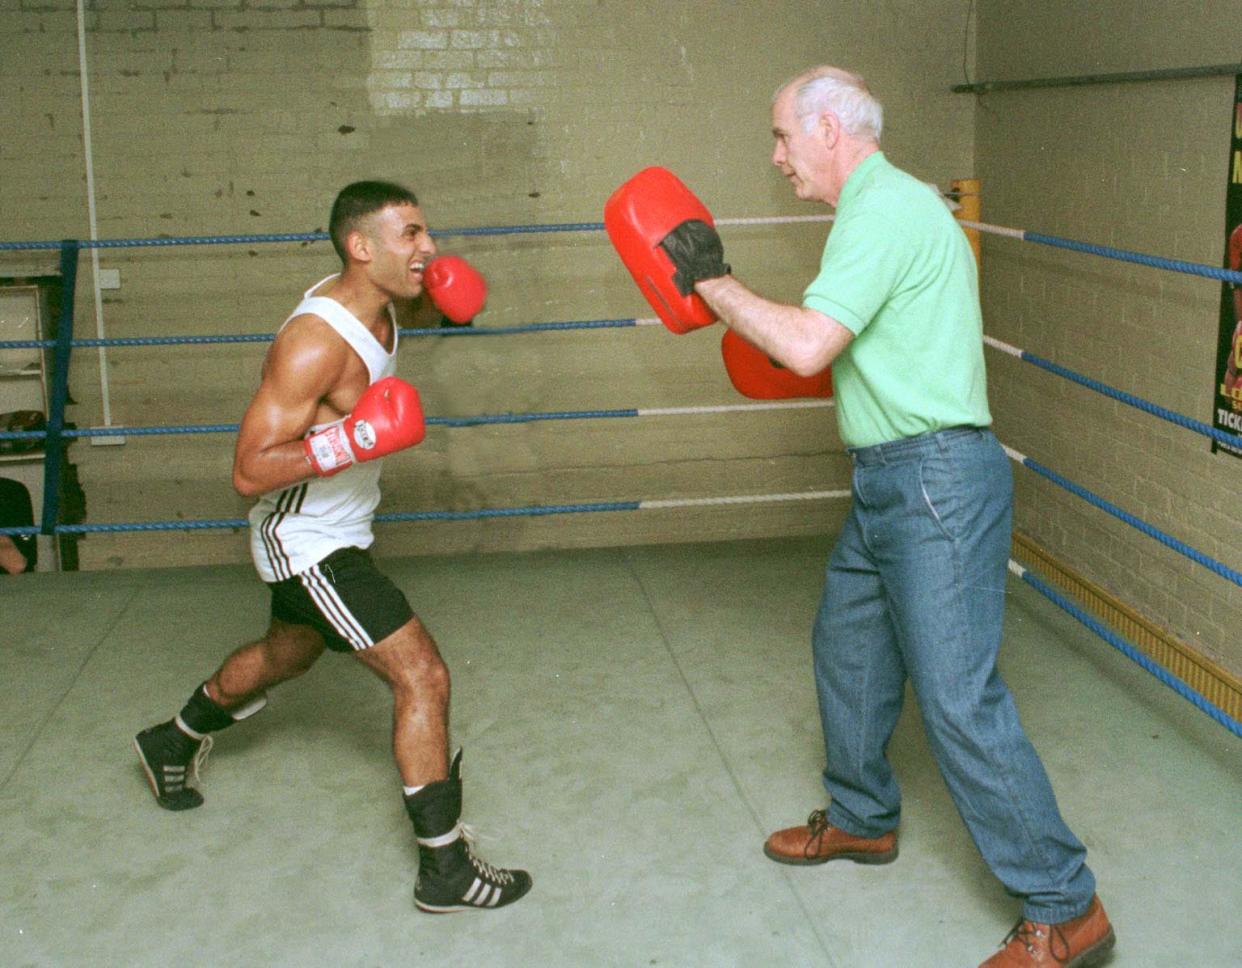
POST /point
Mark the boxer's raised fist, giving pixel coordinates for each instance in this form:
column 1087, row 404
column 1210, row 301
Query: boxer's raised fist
column 456, row 287
column 388, row 417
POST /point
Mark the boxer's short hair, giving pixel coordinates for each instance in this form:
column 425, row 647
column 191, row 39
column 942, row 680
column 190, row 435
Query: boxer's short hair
column 355, row 202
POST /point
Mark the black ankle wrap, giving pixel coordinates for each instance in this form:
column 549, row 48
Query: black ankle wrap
column 203, row 714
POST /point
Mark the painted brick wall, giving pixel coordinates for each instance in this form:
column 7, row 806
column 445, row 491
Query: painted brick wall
column 246, row 116
column 1142, row 167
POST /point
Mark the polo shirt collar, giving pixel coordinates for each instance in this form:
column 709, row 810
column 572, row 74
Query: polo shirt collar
column 853, row 184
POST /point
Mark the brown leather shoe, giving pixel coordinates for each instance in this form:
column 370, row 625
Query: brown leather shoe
column 1084, row 941
column 819, row 842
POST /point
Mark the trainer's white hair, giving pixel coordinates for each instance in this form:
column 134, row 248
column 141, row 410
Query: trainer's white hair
column 830, row 89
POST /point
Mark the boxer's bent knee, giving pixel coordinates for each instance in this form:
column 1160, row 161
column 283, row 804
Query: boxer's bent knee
column 409, row 659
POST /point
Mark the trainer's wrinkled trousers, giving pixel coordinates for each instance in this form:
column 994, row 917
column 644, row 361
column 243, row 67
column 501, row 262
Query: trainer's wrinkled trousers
column 916, row 587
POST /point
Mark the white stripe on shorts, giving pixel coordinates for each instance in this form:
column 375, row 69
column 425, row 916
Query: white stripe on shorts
column 269, row 530
column 330, row 605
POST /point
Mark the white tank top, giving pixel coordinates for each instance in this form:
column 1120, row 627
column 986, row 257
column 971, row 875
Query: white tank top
column 300, row 525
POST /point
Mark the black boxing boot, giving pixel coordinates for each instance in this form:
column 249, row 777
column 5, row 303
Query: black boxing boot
column 450, row 876
column 173, row 754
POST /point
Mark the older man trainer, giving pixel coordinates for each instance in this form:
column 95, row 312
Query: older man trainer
column 915, row 586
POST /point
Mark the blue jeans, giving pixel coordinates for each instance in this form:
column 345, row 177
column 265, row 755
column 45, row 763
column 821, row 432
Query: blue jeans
column 916, row 587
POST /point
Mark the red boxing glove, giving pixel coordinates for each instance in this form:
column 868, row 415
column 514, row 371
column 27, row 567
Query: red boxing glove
column 388, row 417
column 456, row 287
column 756, row 375
column 638, row 217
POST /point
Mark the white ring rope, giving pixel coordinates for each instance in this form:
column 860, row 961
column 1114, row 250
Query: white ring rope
column 1003, row 347
column 735, row 407
column 775, row 220
column 691, row 502
column 1019, row 234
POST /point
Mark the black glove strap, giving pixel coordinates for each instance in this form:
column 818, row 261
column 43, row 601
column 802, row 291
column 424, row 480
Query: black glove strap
column 696, row 250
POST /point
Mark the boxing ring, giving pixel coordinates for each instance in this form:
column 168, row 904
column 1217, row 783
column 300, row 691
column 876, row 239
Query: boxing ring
column 1213, row 696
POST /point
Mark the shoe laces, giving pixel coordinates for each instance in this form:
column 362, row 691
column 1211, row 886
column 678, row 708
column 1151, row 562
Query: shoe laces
column 817, row 826
column 483, row 868
column 1028, row 934
column 199, row 760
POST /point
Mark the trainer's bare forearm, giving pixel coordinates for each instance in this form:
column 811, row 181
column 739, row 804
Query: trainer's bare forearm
column 804, row 340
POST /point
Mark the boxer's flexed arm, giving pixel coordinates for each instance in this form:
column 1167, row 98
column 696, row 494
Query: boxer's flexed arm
column 302, row 374
column 308, row 379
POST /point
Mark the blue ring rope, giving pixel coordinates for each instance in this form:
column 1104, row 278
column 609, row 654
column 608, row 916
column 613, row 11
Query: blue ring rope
column 534, row 510
column 528, row 328
column 171, row 240
column 39, row 344
column 537, row 510
column 1126, row 649
column 1127, row 255
column 472, row 421
column 296, row 237
column 523, row 229
column 515, row 418
column 1122, row 255
column 204, row 524
column 1187, row 423
column 1138, row 523
column 1151, row 531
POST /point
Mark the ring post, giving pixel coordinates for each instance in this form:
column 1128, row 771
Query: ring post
column 966, row 191
column 54, row 446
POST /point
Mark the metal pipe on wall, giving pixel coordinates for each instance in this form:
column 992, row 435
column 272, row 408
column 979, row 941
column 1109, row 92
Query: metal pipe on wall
column 1168, row 74
column 88, row 159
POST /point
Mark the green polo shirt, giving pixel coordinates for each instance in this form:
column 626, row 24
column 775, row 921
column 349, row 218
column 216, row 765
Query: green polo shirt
column 898, row 272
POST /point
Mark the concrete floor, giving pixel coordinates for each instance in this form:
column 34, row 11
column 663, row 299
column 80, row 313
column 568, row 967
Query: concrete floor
column 635, row 722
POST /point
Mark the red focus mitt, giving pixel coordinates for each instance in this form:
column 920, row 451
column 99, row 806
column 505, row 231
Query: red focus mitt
column 640, row 217
column 756, row 375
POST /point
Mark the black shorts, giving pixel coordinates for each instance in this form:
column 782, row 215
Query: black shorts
column 344, row 598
